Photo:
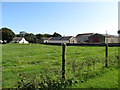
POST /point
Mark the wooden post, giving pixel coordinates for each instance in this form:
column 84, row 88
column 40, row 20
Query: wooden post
column 63, row 59
column 106, row 55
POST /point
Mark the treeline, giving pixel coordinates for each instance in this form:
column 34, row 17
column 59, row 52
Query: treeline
column 6, row 35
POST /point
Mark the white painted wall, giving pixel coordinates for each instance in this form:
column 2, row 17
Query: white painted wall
column 45, row 41
column 111, row 40
column 23, row 41
column 1, row 41
column 73, row 40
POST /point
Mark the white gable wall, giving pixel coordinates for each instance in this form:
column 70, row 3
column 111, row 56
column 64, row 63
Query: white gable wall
column 23, row 41
column 1, row 41
column 73, row 40
column 45, row 41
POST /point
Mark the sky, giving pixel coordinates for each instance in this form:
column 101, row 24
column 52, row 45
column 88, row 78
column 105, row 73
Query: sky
column 66, row 18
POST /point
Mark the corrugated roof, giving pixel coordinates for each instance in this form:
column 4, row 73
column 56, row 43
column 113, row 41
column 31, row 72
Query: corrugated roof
column 17, row 38
column 106, row 35
column 61, row 38
column 66, row 37
column 84, row 34
column 45, row 38
column 55, row 38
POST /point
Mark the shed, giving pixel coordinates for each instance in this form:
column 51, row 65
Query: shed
column 19, row 40
column 43, row 40
column 83, row 38
column 103, row 38
column 64, row 39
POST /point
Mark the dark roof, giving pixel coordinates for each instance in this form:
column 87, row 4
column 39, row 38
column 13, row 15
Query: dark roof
column 106, row 35
column 17, row 38
column 55, row 38
column 66, row 37
column 45, row 38
column 61, row 38
column 84, row 34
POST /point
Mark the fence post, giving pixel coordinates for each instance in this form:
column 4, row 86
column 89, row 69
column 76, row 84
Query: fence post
column 63, row 59
column 106, row 55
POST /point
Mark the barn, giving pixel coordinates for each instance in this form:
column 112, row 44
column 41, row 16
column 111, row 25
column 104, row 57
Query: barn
column 103, row 38
column 64, row 39
column 83, row 38
column 19, row 40
column 43, row 40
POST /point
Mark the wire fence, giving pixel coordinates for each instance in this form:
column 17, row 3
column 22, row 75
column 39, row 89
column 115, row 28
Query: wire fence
column 70, row 62
column 79, row 67
column 82, row 58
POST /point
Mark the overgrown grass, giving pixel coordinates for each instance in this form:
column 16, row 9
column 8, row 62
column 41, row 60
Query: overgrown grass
column 44, row 61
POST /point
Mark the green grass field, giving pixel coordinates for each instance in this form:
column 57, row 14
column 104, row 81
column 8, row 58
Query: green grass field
column 107, row 80
column 35, row 60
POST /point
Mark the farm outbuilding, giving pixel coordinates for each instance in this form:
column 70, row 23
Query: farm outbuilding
column 19, row 40
column 83, row 38
column 64, row 39
column 43, row 40
column 103, row 38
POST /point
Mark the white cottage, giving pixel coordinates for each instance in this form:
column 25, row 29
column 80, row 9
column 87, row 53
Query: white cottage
column 19, row 40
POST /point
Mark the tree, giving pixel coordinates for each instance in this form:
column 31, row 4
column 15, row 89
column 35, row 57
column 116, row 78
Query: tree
column 30, row 37
column 22, row 33
column 56, row 35
column 39, row 36
column 7, row 34
column 0, row 34
column 47, row 35
column 119, row 32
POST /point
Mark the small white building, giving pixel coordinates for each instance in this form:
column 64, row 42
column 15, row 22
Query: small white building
column 1, row 41
column 65, row 39
column 45, row 39
column 19, row 40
